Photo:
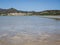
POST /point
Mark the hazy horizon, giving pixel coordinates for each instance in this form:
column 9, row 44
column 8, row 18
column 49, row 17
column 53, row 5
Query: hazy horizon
column 31, row 5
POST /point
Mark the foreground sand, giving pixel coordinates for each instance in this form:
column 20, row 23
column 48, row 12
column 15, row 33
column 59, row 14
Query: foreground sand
column 28, row 39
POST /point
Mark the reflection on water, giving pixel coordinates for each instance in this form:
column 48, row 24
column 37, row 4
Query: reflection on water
column 29, row 30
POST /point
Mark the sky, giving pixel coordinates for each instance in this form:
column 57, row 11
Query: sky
column 31, row 5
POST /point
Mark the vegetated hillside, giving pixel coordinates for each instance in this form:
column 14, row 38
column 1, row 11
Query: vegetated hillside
column 50, row 12
column 10, row 10
column 47, row 12
column 13, row 10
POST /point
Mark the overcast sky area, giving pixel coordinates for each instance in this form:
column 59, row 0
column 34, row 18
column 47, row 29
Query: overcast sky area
column 31, row 5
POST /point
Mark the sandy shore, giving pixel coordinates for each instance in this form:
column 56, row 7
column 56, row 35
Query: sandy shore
column 52, row 17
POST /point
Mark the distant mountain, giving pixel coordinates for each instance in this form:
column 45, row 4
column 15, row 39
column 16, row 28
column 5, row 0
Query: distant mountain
column 10, row 10
column 14, row 11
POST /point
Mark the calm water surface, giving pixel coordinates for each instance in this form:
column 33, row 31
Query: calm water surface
column 29, row 30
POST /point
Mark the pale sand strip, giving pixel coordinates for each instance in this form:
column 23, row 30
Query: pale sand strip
column 53, row 17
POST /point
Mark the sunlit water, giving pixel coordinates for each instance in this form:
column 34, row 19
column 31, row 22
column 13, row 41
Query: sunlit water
column 29, row 30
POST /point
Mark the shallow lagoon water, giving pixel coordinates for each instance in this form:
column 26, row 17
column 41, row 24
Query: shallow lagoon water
column 29, row 30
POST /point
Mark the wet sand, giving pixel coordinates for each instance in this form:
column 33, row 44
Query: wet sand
column 28, row 39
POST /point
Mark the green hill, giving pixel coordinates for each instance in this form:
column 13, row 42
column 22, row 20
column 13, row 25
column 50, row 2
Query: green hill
column 13, row 10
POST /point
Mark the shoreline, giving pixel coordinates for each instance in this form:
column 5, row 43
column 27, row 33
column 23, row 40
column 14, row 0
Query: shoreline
column 52, row 17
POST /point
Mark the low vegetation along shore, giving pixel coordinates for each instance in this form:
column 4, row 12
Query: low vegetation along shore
column 15, row 12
